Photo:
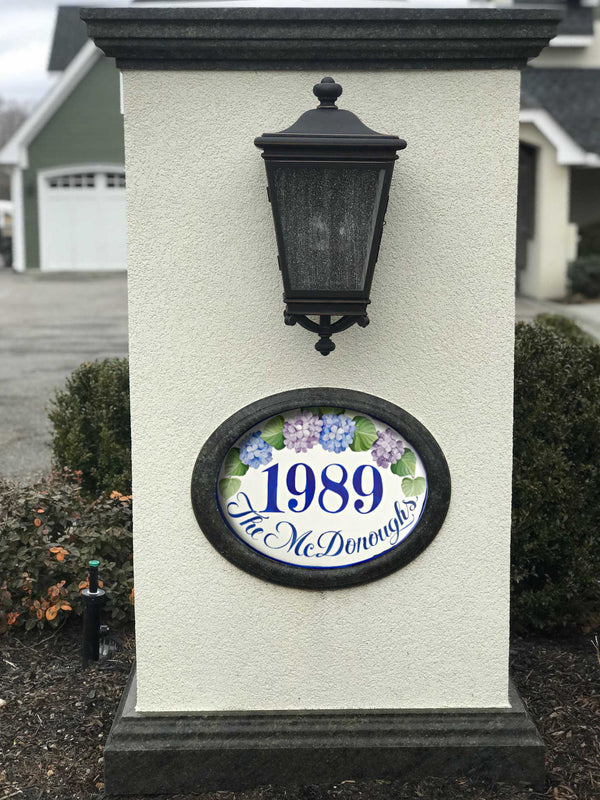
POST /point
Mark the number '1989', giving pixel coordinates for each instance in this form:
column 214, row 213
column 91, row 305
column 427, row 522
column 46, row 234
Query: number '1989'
column 333, row 497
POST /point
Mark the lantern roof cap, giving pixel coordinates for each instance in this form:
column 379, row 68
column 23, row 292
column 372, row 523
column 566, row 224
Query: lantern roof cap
column 329, row 125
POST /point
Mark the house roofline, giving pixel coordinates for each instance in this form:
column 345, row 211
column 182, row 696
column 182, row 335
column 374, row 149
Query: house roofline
column 14, row 152
column 568, row 152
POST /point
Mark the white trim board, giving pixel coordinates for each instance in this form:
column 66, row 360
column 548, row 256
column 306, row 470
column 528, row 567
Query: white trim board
column 16, row 194
column 14, row 151
column 84, row 166
column 572, row 40
column 568, row 152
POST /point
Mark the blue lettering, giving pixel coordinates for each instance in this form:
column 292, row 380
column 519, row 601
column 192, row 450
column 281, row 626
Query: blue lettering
column 328, row 544
column 307, row 550
column 291, row 541
column 395, row 527
column 301, row 541
column 336, row 538
column 236, row 504
column 248, row 522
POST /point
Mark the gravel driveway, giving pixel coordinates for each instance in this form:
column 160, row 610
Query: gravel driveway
column 49, row 324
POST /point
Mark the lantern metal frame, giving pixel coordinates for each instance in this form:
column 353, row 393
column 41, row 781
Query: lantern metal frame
column 323, row 137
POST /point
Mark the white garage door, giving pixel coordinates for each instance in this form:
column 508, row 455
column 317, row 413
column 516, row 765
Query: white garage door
column 82, row 219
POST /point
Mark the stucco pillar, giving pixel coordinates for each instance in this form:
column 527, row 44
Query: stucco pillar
column 207, row 338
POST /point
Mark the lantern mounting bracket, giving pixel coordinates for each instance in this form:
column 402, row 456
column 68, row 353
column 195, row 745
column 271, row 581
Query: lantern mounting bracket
column 325, row 327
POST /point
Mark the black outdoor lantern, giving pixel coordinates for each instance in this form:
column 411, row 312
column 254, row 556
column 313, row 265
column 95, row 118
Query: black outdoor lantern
column 328, row 182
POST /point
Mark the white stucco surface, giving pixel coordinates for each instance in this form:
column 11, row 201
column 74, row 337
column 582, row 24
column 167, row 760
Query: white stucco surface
column 207, row 337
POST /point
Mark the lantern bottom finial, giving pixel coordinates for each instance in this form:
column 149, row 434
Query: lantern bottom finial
column 325, row 327
column 325, row 345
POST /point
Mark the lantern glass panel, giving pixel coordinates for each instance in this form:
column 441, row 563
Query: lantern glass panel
column 327, row 216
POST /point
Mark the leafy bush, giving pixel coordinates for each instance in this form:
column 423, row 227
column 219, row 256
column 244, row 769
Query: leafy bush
column 92, row 431
column 589, row 239
column 556, row 480
column 564, row 326
column 48, row 533
column 584, row 275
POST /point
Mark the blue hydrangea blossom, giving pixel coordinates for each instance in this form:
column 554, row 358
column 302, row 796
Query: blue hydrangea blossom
column 337, row 432
column 254, row 451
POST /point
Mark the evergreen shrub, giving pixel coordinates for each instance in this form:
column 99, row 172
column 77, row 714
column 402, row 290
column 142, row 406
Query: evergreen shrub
column 589, row 239
column 584, row 275
column 556, row 480
column 91, row 426
column 565, row 326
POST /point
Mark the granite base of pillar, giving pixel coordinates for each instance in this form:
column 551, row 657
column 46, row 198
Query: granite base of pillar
column 193, row 753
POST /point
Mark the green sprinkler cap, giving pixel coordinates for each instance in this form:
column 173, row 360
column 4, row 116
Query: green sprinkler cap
column 94, row 563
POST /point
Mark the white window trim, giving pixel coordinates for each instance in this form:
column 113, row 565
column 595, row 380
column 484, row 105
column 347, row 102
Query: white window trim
column 568, row 152
column 75, row 169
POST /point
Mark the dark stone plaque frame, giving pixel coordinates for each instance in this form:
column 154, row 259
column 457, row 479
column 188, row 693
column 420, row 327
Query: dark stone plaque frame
column 211, row 457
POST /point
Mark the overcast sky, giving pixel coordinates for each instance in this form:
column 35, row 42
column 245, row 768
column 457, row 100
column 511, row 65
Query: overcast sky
column 26, row 28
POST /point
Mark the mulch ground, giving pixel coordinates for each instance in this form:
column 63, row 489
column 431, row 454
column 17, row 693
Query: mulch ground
column 56, row 719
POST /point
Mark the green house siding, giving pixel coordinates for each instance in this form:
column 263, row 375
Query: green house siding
column 86, row 129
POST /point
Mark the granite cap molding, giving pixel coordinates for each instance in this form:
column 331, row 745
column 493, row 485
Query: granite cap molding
column 320, row 38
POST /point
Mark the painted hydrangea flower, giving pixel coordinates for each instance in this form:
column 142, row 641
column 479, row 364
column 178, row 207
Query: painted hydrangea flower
column 387, row 449
column 301, row 433
column 254, row 451
column 337, row 432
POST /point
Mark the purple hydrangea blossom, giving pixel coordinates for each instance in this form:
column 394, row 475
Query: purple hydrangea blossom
column 301, row 433
column 337, row 432
column 387, row 449
column 254, row 451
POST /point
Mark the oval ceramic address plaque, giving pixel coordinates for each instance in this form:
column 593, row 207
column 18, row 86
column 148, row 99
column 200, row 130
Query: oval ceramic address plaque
column 333, row 489
column 322, row 488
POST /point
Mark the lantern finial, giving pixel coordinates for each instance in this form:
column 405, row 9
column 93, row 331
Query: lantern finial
column 328, row 92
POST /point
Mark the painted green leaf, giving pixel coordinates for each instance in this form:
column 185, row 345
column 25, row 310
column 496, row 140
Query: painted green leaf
column 311, row 410
column 233, row 465
column 405, row 465
column 228, row 487
column 364, row 435
column 413, row 486
column 330, row 410
column 272, row 432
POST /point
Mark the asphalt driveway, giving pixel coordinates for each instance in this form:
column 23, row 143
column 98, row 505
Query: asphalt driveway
column 49, row 324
